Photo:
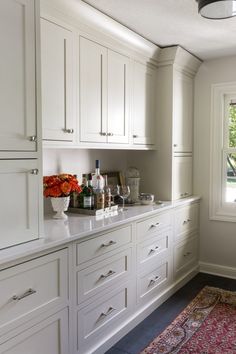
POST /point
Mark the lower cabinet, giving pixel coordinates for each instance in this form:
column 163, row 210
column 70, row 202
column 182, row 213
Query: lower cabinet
column 49, row 336
column 182, row 177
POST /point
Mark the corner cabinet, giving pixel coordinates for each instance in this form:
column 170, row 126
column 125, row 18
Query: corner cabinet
column 17, row 72
column 57, row 82
column 144, row 104
column 104, row 94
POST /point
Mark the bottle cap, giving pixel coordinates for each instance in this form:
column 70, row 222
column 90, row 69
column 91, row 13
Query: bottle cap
column 97, row 163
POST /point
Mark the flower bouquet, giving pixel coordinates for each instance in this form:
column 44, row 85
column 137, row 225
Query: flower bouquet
column 59, row 188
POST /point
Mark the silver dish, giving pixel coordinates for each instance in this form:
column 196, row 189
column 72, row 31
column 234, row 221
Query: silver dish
column 146, row 198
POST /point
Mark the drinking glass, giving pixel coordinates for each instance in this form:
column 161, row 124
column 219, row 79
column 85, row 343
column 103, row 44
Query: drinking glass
column 115, row 190
column 124, row 193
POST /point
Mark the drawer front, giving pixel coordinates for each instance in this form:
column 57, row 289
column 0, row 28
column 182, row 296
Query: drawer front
column 97, row 319
column 154, row 248
column 185, row 255
column 186, row 220
column 103, row 244
column 99, row 276
column 153, row 281
column 33, row 287
column 152, row 226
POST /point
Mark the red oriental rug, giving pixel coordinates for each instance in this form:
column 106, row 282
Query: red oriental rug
column 206, row 326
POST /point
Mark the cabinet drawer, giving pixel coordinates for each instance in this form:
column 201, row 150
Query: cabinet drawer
column 32, row 287
column 99, row 276
column 154, row 248
column 186, row 220
column 103, row 244
column 152, row 281
column 97, row 319
column 151, row 226
column 185, row 255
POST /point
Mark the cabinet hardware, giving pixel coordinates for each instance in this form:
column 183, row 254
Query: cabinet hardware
column 185, row 193
column 154, row 225
column 175, row 145
column 110, row 134
column 153, row 281
column 186, row 221
column 33, row 138
column 187, row 254
column 135, row 136
column 109, row 311
column 154, row 249
column 104, row 276
column 110, row 243
column 103, row 134
column 26, row 293
column 34, row 171
column 69, row 131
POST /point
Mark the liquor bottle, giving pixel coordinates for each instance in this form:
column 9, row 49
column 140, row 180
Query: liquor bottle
column 97, row 177
column 87, row 197
column 90, row 186
column 107, row 193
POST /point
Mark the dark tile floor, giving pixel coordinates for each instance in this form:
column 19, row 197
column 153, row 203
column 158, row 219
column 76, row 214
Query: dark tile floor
column 146, row 331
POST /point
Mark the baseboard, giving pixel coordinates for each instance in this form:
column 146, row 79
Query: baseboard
column 216, row 269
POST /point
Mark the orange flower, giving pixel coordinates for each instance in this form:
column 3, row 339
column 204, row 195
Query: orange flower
column 60, row 185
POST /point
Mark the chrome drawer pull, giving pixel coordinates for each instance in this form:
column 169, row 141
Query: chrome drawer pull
column 109, row 311
column 153, row 281
column 104, row 276
column 33, row 138
column 110, row 243
column 27, row 293
column 154, row 225
column 154, row 249
column 34, row 171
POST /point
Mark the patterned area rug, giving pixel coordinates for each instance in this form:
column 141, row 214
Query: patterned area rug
column 206, row 326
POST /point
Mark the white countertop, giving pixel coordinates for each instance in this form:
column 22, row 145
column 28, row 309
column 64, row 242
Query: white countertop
column 77, row 227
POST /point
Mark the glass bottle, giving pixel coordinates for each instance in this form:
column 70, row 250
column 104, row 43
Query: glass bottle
column 107, row 193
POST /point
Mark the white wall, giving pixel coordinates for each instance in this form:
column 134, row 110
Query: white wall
column 217, row 239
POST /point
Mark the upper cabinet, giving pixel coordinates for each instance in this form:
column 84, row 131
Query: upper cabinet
column 17, row 71
column 57, row 82
column 104, row 94
column 144, row 104
column 182, row 112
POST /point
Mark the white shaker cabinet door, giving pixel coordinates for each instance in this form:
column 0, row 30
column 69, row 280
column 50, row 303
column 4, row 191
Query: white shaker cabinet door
column 144, row 104
column 19, row 220
column 47, row 337
column 118, row 92
column 182, row 113
column 93, row 98
column 57, row 82
column 17, row 73
column 182, row 177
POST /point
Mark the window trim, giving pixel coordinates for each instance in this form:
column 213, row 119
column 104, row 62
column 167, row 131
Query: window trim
column 218, row 209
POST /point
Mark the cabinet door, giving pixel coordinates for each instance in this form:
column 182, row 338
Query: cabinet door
column 182, row 113
column 144, row 112
column 57, row 82
column 17, row 72
column 118, row 92
column 93, row 98
column 182, row 177
column 47, row 337
column 19, row 201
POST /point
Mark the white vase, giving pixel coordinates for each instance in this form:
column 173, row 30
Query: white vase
column 60, row 205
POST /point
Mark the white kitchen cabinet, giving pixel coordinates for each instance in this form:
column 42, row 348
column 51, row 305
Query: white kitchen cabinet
column 144, row 105
column 182, row 177
column 182, row 112
column 104, row 94
column 49, row 336
column 19, row 202
column 57, row 82
column 17, row 72
column 175, row 78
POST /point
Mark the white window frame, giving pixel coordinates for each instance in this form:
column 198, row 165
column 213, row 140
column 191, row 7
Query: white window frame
column 219, row 209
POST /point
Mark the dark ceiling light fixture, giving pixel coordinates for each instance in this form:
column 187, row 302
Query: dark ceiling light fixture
column 217, row 9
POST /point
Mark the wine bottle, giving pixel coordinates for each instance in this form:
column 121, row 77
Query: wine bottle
column 107, row 193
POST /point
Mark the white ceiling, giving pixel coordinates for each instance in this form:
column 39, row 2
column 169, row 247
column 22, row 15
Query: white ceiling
column 171, row 22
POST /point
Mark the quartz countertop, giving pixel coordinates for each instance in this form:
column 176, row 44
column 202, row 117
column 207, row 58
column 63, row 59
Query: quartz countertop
column 78, row 227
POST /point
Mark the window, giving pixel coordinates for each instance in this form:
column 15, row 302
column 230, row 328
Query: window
column 223, row 153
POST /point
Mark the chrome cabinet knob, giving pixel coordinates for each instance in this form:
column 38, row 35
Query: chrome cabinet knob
column 33, row 138
column 175, row 145
column 69, row 131
column 135, row 136
column 110, row 134
column 34, row 171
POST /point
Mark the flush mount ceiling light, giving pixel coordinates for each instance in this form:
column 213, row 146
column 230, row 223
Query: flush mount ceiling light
column 217, row 9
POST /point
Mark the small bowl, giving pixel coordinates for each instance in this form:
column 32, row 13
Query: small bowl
column 146, row 198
